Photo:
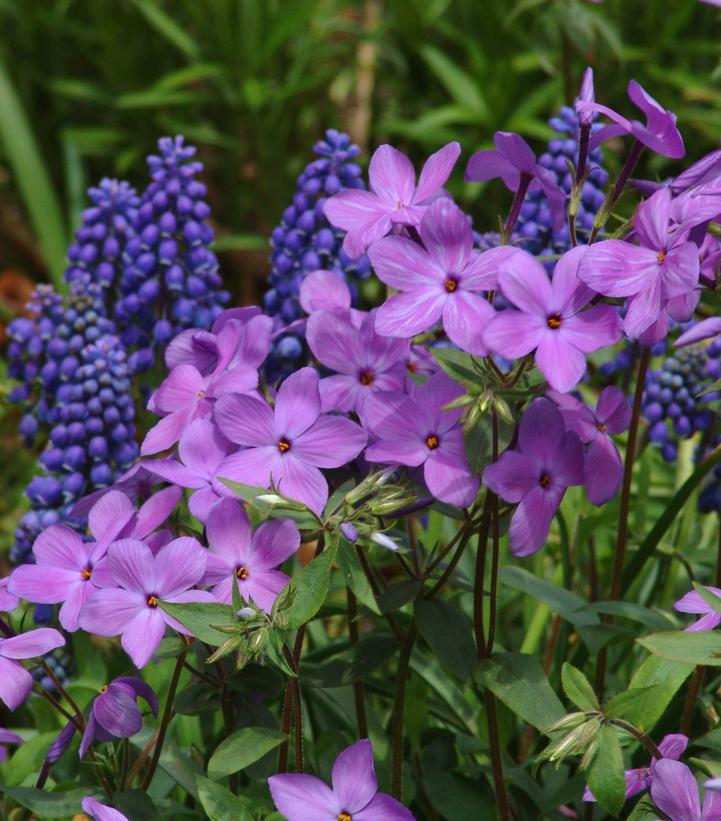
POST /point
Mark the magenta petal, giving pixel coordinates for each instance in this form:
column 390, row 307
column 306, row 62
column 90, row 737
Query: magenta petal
column 613, row 410
column 117, row 712
column 411, row 452
column 324, row 291
column 173, row 471
column 31, row 644
column 410, row 313
column 598, row 327
column 447, row 234
column 569, row 294
column 203, row 447
column 139, row 689
column 511, row 477
column 101, row 812
column 330, row 443
column 263, row 587
column 465, row 318
column 652, row 219
column 299, row 480
column 352, row 209
column 245, row 420
column 391, row 176
column 603, row 470
column 15, row 683
column 156, row 510
column 178, row 566
column 643, row 309
column 335, row 342
column 525, row 283
column 60, row 546
column 673, row 745
column 301, row 797
column 541, row 432
column 109, row 610
column 143, row 634
column 202, row 501
column 532, row 520
column 436, row 171
column 705, row 329
column 614, row 267
column 357, row 240
column 449, row 478
column 693, row 602
column 252, row 466
column 481, row 271
column 240, row 379
column 180, row 388
column 514, row 333
column 384, row 808
column 560, row 362
column 674, row 790
column 167, row 431
column 274, row 542
column 108, row 511
column 228, row 531
column 708, row 622
column 489, row 164
column 680, row 270
column 341, row 393
column 132, row 565
column 42, row 584
column 297, row 404
column 392, row 415
column 74, row 600
column 353, row 777
column 404, row 264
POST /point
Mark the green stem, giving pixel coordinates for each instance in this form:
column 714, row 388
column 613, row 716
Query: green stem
column 399, row 701
column 495, row 751
column 622, row 538
column 358, row 688
column 165, row 720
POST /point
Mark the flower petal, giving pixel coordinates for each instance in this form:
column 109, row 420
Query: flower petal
column 449, row 478
column 15, row 683
column 541, row 432
column 405, row 265
column 31, row 644
column 513, row 334
column 117, row 712
column 42, row 584
column 511, row 477
column 353, row 777
column 560, row 362
column 335, row 342
column 674, row 790
column 465, row 318
column 410, row 313
column 603, row 470
column 436, row 171
column 109, row 610
column 142, row 635
column 569, row 294
column 598, row 327
column 274, row 542
column 384, row 808
column 447, row 234
column 615, row 267
column 525, row 283
column 229, row 532
column 203, row 447
column 301, row 797
column 391, row 176
column 352, row 209
column 297, row 404
column 532, row 520
column 60, row 546
column 246, row 420
column 330, row 443
column 299, row 480
column 178, row 566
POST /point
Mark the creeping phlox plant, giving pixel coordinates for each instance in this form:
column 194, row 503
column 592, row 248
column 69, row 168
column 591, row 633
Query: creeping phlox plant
column 417, row 559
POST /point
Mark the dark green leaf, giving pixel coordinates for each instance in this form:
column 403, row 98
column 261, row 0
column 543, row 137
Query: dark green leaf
column 666, row 677
column 606, row 772
column 519, row 682
column 352, row 665
column 308, row 589
column 689, row 648
column 242, row 748
column 635, row 612
column 448, row 633
column 560, row 600
column 355, row 578
column 136, row 804
column 457, row 796
column 48, row 804
column 577, row 688
column 199, row 616
column 398, row 595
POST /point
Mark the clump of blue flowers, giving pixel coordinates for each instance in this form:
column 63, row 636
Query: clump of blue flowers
column 305, row 241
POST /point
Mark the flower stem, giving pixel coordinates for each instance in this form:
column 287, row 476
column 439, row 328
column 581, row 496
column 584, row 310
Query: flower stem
column 623, row 176
column 358, row 688
column 622, row 537
column 639, row 736
column 398, row 710
column 512, row 217
column 165, row 720
column 495, row 751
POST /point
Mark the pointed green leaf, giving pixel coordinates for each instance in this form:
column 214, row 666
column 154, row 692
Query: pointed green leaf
column 690, row 648
column 219, row 802
column 199, row 617
column 243, row 748
column 308, row 589
column 606, row 772
column 577, row 688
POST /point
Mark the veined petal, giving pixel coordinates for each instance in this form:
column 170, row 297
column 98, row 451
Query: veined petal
column 511, row 477
column 465, row 318
column 246, row 420
column 302, row 481
column 643, row 309
column 263, row 587
column 229, row 532
column 560, row 362
column 674, row 790
column 514, row 333
column 532, row 520
column 436, row 171
column 297, row 404
column 705, row 329
column 178, row 566
column 613, row 410
column 183, row 386
column 335, row 342
column 525, row 283
column 652, row 219
column 449, row 478
column 274, row 542
column 60, row 546
column 447, row 234
column 301, row 797
column 680, row 270
column 203, row 447
column 405, row 265
column 392, row 415
column 384, row 808
column 172, row 471
column 42, row 584
column 391, row 176
column 132, row 565
column 568, row 293
column 614, row 267
column 108, row 611
column 31, row 644
column 324, row 291
column 156, row 510
column 110, row 510
column 541, row 432
column 252, row 466
column 353, row 777
column 603, row 470
column 409, row 313
column 15, row 683
column 352, row 208
column 143, row 634
column 598, row 327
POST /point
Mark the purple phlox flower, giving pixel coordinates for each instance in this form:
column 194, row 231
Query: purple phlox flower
column 203, row 452
column 354, row 794
column 705, row 329
column 6, row 737
column 287, row 444
column 659, row 133
column 393, row 198
column 364, row 360
column 115, row 713
column 101, row 812
column 188, row 393
column 707, row 169
column 63, row 572
column 549, row 318
column 144, row 581
column 240, row 556
column 694, row 603
column 136, row 482
column 710, row 256
column 8, row 602
column 548, row 460
column 602, row 465
column 325, row 290
column 515, row 163
column 15, row 681
column 675, row 792
column 660, row 274
column 441, row 280
column 585, row 95
column 640, row 778
column 414, row 430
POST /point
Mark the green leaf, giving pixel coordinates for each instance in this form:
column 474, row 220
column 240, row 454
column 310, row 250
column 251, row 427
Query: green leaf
column 606, row 772
column 355, row 578
column 711, row 599
column 519, row 682
column 462, row 88
column 167, row 27
column 219, row 802
column 48, row 804
column 689, row 648
column 633, row 611
column 670, row 511
column 666, row 677
column 458, row 365
column 136, row 804
column 627, row 703
column 32, row 178
column 27, row 758
column 457, row 796
column 560, row 600
column 351, row 665
column 199, row 616
column 448, row 633
column 308, row 588
column 577, row 688
column 243, row 748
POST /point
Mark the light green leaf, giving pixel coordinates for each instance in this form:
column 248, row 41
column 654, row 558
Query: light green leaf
column 577, row 688
column 690, row 648
column 666, row 677
column 199, row 616
column 243, row 748
column 462, row 88
column 606, row 772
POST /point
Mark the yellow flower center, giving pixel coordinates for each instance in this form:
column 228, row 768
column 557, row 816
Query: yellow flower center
column 366, row 378
column 554, row 322
column 283, row 445
column 661, row 256
column 545, row 480
column 451, row 285
column 601, row 427
column 432, row 441
column 344, row 816
column 242, row 572
column 86, row 574
column 153, row 601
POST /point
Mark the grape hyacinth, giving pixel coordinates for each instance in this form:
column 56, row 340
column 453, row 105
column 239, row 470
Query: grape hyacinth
column 304, row 242
column 671, row 404
column 170, row 278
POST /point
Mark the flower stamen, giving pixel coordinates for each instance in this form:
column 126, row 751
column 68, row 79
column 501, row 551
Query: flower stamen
column 344, row 816
column 242, row 572
column 450, row 284
column 86, row 574
column 432, row 441
column 554, row 322
column 544, row 480
column 283, row 445
column 661, row 256
column 366, row 377
column 153, row 601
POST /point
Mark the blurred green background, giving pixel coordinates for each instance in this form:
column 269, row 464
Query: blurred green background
column 87, row 87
